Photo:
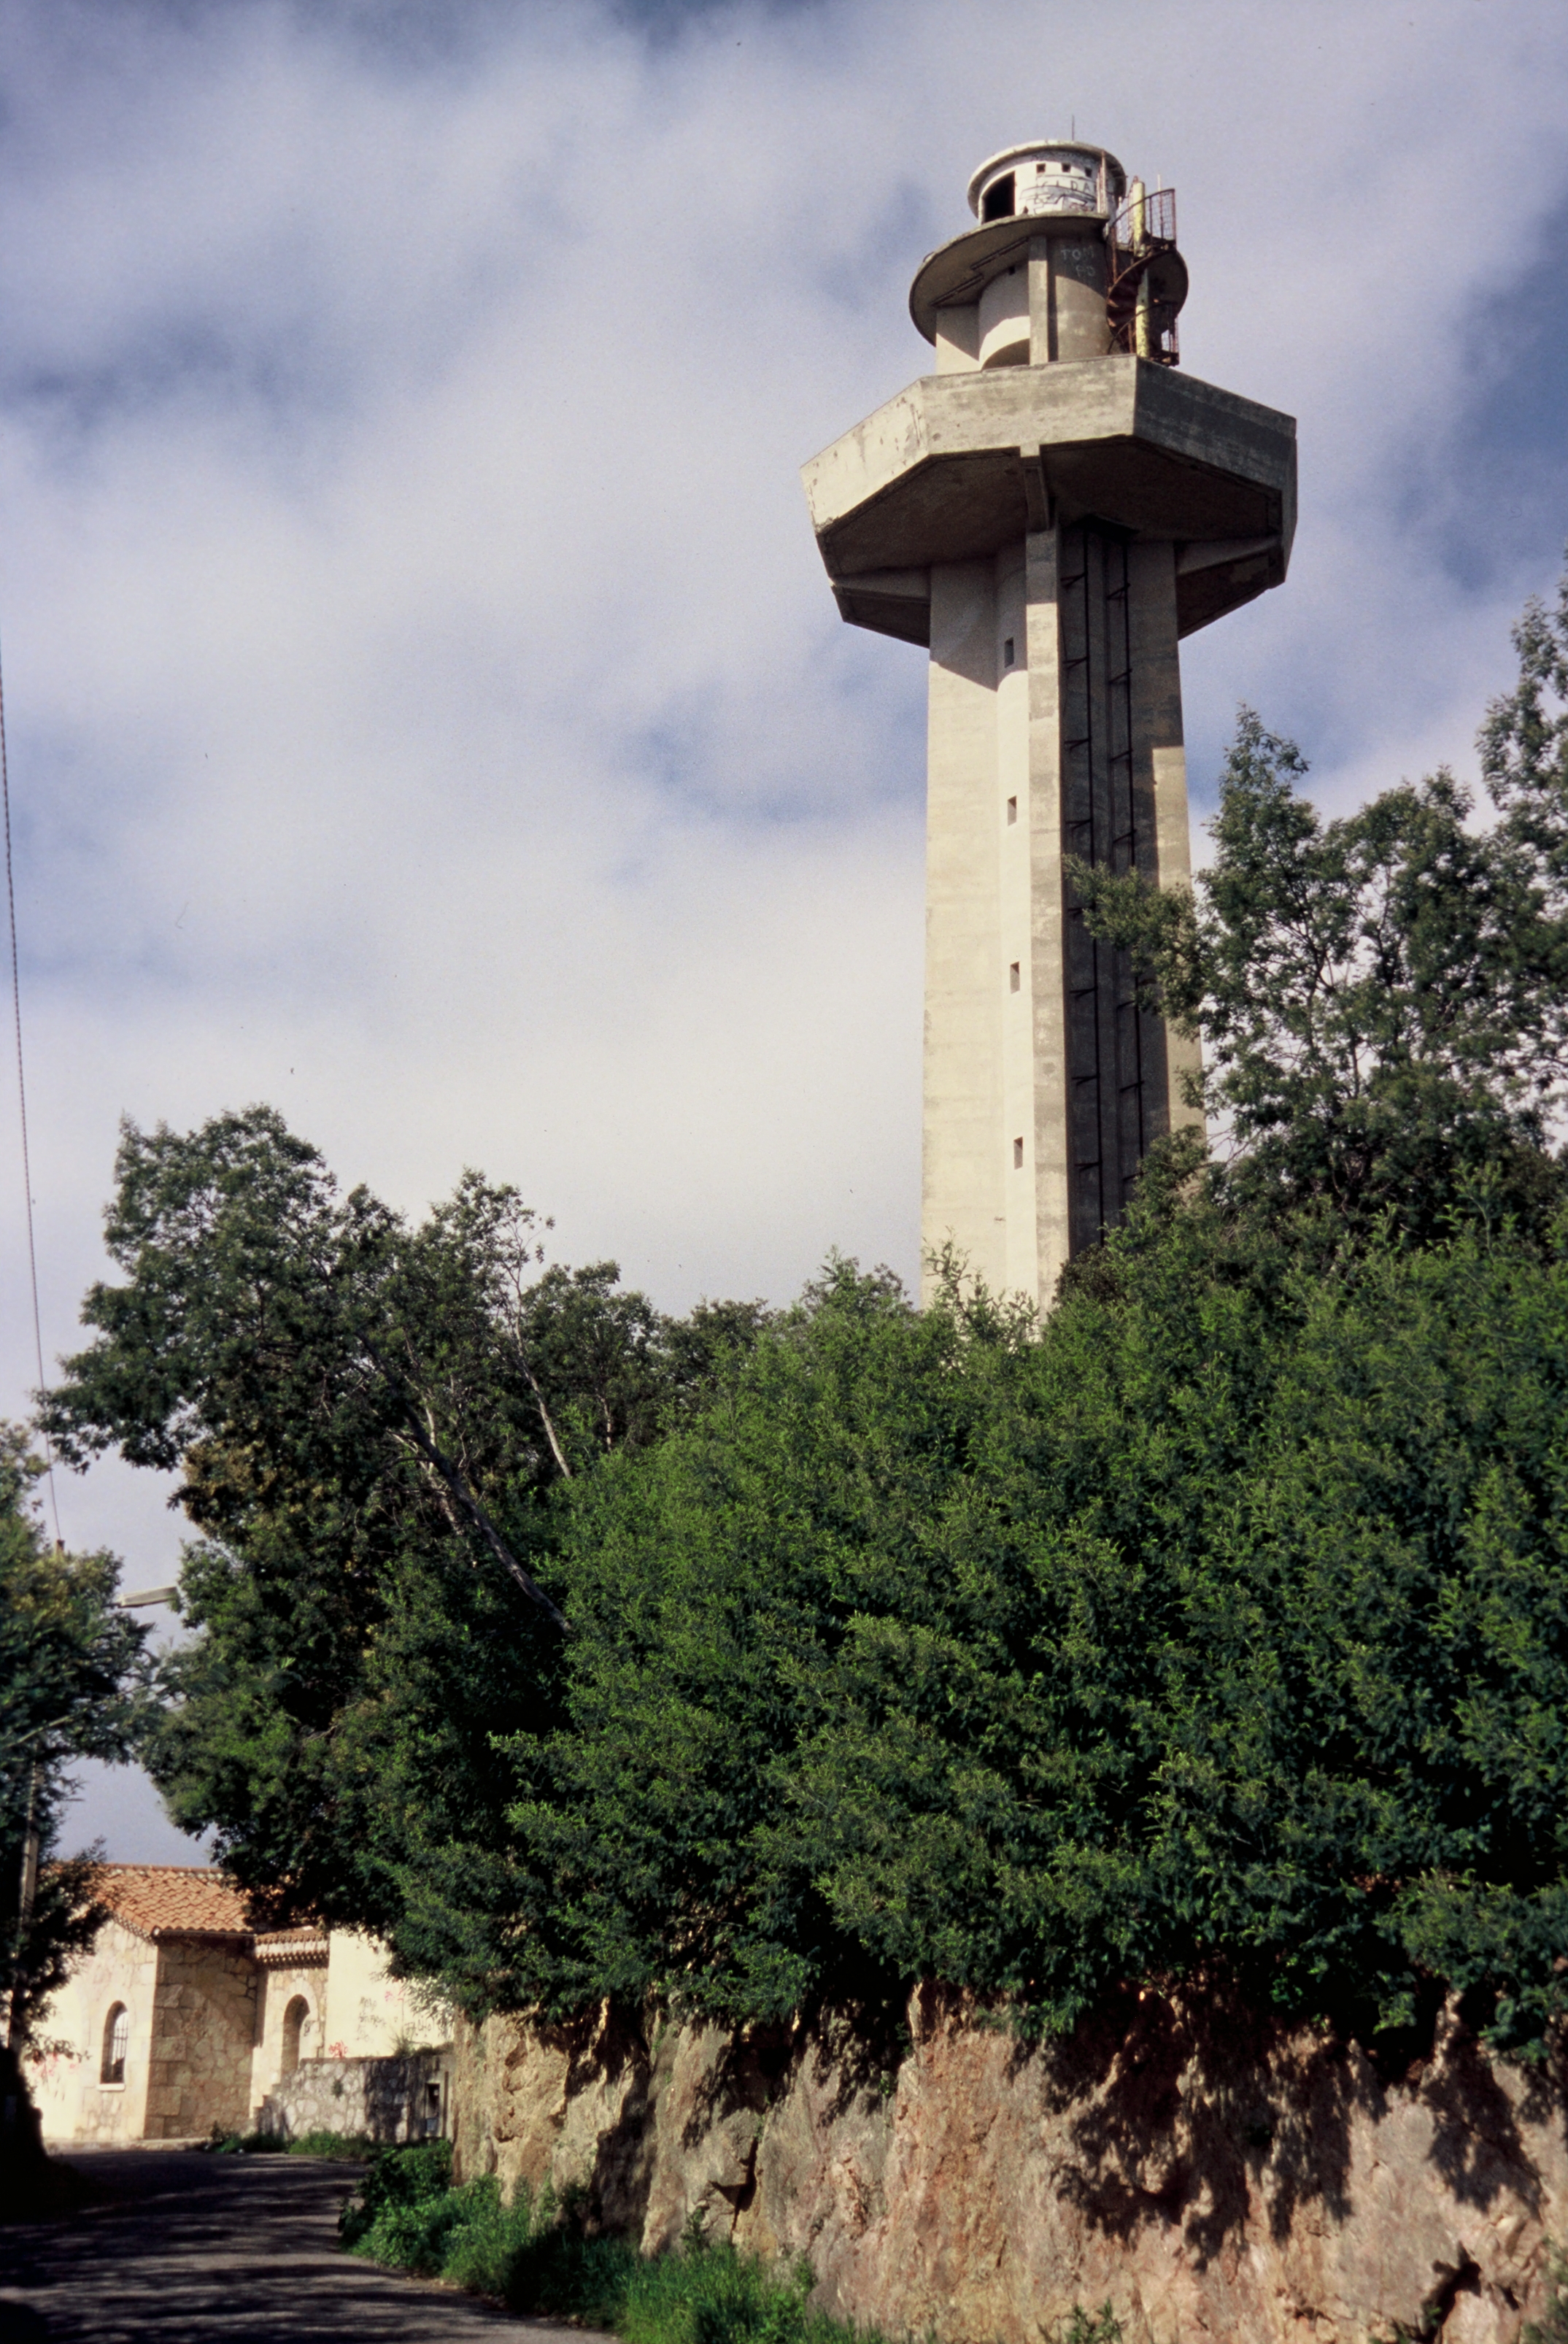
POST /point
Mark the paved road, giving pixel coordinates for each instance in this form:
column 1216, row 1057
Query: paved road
column 193, row 2250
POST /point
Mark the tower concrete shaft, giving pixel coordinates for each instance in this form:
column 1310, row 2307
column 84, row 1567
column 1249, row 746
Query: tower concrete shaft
column 1055, row 730
column 1049, row 513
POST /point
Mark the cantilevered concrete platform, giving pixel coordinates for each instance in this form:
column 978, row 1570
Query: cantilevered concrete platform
column 959, row 465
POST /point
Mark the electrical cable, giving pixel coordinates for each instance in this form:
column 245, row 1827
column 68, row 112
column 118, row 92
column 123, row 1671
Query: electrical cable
column 22, row 1099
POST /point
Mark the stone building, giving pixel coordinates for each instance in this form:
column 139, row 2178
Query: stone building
column 182, row 2017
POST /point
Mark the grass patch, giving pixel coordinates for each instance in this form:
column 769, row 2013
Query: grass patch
column 352, row 2147
column 532, row 2256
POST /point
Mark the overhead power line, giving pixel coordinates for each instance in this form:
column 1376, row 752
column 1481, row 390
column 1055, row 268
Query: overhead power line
column 22, row 1094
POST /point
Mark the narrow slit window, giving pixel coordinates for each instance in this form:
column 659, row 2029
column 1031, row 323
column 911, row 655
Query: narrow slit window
column 1008, row 652
column 1018, row 1155
column 1015, row 977
column 1012, row 809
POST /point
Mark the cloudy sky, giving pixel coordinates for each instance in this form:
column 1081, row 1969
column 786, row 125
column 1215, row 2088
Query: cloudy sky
column 426, row 709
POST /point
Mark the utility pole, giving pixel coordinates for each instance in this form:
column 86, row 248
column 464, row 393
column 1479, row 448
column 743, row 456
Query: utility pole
column 28, row 1893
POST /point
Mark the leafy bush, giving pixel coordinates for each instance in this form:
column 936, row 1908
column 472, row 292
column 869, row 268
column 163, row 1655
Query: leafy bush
column 406, row 2212
column 1219, row 1625
column 1104, row 2328
column 486, row 2239
column 348, row 2147
column 713, row 2295
column 559, row 2271
column 405, row 2208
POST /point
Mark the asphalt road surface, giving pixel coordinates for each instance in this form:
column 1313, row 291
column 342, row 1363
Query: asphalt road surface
column 194, row 2250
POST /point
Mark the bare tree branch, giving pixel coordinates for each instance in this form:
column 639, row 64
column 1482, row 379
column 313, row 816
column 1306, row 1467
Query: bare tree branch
column 464, row 1497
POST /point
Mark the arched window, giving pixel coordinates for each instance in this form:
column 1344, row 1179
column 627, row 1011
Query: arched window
column 117, row 2030
column 296, row 2019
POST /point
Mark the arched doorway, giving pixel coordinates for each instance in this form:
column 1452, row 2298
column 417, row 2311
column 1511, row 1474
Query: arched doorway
column 296, row 2019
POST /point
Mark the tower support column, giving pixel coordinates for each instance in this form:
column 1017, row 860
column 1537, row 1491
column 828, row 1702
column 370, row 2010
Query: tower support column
column 963, row 1196
column 1055, row 732
column 1041, row 1248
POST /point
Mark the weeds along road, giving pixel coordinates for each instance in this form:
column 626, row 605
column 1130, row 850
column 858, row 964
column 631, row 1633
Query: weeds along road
column 193, row 2250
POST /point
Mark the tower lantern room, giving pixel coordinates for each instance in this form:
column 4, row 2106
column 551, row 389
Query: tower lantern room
column 1055, row 175
column 1049, row 513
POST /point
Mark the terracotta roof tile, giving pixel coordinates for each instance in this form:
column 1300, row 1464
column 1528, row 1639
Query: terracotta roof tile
column 300, row 1946
column 172, row 1900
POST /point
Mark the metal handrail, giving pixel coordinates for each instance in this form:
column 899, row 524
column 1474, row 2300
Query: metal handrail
column 1143, row 228
column 1150, row 218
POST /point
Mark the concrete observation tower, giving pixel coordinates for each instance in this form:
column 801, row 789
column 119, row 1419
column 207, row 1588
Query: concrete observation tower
column 1050, row 512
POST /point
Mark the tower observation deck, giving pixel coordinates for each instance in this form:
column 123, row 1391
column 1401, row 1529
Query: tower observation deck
column 1050, row 512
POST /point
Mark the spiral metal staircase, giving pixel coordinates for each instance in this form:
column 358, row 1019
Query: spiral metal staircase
column 1147, row 277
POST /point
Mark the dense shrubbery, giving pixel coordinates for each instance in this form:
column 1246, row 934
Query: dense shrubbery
column 1218, row 1625
column 1225, row 1623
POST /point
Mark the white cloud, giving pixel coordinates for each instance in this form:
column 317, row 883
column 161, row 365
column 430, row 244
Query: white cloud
column 426, row 709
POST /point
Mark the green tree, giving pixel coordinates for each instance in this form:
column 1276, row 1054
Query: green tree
column 374, row 1425
column 708, row 1580
column 1218, row 1629
column 1212, row 1628
column 70, row 1681
column 1382, row 999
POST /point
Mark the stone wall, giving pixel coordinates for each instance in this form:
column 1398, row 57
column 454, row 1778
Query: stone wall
column 203, row 2036
column 391, row 2099
column 65, row 2073
column 1207, row 2173
column 279, row 1985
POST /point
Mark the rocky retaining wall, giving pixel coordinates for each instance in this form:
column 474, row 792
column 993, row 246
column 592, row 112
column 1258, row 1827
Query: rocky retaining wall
column 391, row 2099
column 1208, row 2175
